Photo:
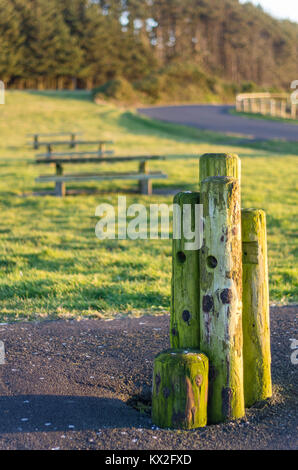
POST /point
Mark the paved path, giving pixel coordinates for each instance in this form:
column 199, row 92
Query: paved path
column 218, row 118
column 65, row 385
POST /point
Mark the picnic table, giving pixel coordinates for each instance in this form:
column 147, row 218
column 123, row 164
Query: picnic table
column 71, row 142
column 143, row 175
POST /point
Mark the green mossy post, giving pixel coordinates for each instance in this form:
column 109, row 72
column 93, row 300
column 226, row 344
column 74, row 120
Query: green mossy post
column 221, row 297
column 180, row 389
column 220, row 164
column 256, row 328
column 185, row 298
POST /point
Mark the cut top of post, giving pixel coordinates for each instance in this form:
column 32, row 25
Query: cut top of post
column 220, row 164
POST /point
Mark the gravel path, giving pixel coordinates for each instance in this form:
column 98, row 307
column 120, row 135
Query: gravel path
column 218, row 119
column 65, row 385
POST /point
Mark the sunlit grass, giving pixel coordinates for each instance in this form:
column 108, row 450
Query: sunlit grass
column 51, row 263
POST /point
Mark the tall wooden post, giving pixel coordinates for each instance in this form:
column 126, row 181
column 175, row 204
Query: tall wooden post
column 185, row 303
column 256, row 329
column 220, row 164
column 221, row 297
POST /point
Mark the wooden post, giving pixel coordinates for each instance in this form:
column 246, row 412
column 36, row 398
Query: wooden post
column 283, row 106
column 221, row 297
column 256, row 329
column 60, row 186
column 238, row 104
column 245, row 105
column 145, row 185
column 72, row 140
column 254, row 108
column 180, row 389
column 263, row 106
column 35, row 142
column 220, row 164
column 185, row 298
column 293, row 111
column 272, row 107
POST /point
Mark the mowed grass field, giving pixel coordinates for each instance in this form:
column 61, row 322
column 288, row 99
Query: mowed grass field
column 51, row 263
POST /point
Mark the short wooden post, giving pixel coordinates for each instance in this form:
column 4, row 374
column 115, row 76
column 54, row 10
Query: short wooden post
column 256, row 329
column 293, row 111
column 179, row 393
column 221, row 297
column 60, row 186
column 145, row 185
column 185, row 303
column 220, row 164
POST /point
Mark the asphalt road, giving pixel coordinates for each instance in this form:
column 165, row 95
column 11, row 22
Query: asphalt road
column 65, row 385
column 218, row 119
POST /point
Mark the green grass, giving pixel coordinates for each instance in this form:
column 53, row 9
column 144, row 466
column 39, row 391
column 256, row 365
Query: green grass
column 51, row 263
column 267, row 117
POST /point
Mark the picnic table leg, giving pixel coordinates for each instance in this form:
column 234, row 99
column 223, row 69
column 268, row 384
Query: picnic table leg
column 73, row 141
column 60, row 186
column 145, row 185
column 35, row 143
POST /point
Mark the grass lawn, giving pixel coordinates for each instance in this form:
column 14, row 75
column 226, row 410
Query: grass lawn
column 267, row 117
column 51, row 263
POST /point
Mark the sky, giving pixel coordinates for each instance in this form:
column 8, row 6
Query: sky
column 283, row 9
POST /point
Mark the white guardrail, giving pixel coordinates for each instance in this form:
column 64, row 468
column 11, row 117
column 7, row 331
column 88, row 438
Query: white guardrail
column 272, row 104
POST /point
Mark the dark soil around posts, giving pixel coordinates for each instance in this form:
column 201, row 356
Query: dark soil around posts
column 86, row 385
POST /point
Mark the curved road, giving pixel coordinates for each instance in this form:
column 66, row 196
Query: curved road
column 218, row 119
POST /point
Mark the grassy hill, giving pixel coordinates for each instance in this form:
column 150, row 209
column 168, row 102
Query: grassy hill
column 51, row 263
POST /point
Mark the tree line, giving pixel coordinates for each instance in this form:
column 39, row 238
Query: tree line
column 85, row 43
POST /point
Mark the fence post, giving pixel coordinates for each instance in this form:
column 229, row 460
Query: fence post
column 283, row 106
column 293, row 111
column 221, row 297
column 272, row 107
column 255, row 318
column 263, row 106
column 185, row 298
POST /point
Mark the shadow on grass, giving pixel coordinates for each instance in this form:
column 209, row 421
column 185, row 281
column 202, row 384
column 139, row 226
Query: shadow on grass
column 81, row 95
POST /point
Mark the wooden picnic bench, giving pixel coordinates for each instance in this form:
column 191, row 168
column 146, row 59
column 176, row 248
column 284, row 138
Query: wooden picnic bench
column 50, row 145
column 60, row 179
column 71, row 142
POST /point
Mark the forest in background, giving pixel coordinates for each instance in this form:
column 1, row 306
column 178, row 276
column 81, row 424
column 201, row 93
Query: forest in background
column 151, row 47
